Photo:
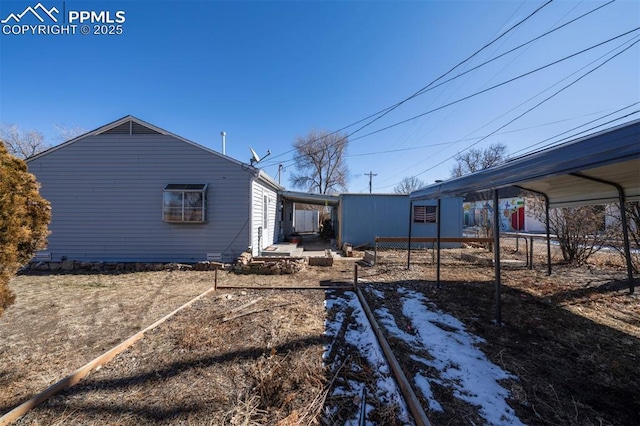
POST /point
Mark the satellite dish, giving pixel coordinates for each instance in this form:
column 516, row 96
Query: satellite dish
column 254, row 157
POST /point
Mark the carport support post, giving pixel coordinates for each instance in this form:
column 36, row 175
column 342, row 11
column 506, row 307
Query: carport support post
column 438, row 235
column 496, row 256
column 625, row 236
column 625, row 226
column 530, row 252
column 548, row 227
column 409, row 239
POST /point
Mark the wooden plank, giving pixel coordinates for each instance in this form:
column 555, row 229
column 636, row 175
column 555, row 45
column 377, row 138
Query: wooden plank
column 407, row 391
column 433, row 240
column 255, row 287
column 246, row 305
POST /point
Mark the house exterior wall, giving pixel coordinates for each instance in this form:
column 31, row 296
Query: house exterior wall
column 263, row 237
column 106, row 196
column 362, row 217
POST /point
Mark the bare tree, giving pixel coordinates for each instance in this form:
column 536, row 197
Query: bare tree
column 319, row 162
column 581, row 231
column 408, row 185
column 22, row 144
column 66, row 133
column 475, row 160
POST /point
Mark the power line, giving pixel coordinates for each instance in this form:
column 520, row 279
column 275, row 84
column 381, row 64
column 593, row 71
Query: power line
column 465, row 139
column 479, row 92
column 581, row 132
column 503, row 83
column 426, row 89
column 535, row 106
column 419, row 92
column 495, row 86
column 431, row 145
column 387, row 110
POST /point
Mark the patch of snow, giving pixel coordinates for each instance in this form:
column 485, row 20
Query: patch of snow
column 387, row 320
column 423, row 384
column 360, row 335
column 461, row 364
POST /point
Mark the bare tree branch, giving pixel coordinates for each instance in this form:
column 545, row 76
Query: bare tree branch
column 475, row 160
column 66, row 133
column 581, row 230
column 22, row 144
column 408, row 185
column 320, row 163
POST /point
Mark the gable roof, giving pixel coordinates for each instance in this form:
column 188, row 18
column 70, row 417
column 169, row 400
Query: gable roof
column 130, row 125
column 580, row 171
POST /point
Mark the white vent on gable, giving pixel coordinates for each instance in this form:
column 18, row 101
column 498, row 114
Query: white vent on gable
column 130, row 128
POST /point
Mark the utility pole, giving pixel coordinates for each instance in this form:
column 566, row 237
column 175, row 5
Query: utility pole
column 371, row 175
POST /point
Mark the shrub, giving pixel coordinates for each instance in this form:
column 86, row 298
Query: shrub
column 24, row 219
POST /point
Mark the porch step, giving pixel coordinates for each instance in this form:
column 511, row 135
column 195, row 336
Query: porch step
column 282, row 250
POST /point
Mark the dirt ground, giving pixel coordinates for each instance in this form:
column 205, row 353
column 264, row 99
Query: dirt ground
column 572, row 339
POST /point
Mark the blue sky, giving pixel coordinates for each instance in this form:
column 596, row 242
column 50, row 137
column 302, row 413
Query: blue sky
column 267, row 72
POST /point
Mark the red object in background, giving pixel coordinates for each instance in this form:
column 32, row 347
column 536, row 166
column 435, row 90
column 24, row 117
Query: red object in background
column 295, row 239
column 517, row 219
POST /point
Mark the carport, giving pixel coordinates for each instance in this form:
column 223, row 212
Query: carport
column 289, row 198
column 600, row 168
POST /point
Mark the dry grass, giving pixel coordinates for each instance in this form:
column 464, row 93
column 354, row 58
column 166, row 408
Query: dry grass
column 572, row 339
column 60, row 322
column 260, row 369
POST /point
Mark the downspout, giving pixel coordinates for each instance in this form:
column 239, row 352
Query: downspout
column 251, row 200
column 623, row 218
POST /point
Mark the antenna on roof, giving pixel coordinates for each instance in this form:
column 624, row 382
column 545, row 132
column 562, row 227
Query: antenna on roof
column 255, row 158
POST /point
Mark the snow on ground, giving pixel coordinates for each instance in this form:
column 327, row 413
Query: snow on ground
column 360, row 335
column 462, row 366
column 454, row 354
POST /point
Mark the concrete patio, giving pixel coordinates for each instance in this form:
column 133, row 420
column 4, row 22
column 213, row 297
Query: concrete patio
column 312, row 245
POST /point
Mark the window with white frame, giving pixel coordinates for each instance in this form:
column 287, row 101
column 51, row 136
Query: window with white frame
column 184, row 203
column 424, row 214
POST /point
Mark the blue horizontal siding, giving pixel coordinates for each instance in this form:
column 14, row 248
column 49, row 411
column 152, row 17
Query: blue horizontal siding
column 106, row 198
column 366, row 216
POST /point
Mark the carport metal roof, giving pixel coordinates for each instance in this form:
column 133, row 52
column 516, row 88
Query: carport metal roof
column 603, row 167
column 311, row 198
column 608, row 157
